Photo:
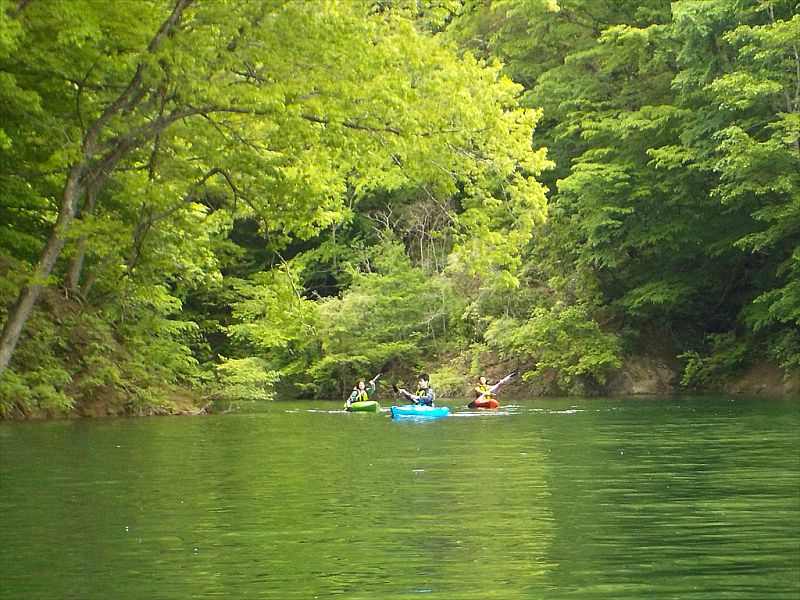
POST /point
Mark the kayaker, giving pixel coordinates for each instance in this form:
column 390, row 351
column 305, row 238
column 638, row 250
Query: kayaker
column 485, row 393
column 361, row 393
column 425, row 394
column 483, row 388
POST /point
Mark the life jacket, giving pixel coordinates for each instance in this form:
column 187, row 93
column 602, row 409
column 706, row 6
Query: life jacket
column 361, row 395
column 481, row 389
column 425, row 392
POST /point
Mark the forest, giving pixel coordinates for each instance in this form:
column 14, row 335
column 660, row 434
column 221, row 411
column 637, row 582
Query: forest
column 224, row 200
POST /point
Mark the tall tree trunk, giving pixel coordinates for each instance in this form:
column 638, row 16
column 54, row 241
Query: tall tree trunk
column 75, row 183
column 76, row 264
column 29, row 294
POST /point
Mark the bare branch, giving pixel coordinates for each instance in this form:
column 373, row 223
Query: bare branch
column 352, row 125
column 424, row 189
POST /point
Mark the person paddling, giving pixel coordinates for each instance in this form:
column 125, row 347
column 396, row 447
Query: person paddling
column 361, row 392
column 483, row 389
column 425, row 395
column 485, row 392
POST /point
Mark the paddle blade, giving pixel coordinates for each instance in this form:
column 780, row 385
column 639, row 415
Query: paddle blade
column 510, row 376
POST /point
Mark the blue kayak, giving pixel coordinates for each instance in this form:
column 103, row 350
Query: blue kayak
column 414, row 411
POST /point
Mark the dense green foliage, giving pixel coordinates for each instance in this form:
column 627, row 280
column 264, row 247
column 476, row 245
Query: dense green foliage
column 675, row 203
column 234, row 198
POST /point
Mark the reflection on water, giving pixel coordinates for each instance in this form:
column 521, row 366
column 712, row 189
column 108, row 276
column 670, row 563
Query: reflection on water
column 694, row 498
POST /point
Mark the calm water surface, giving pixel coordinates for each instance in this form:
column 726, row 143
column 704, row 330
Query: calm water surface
column 587, row 498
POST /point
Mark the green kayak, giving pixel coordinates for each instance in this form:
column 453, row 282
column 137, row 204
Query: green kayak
column 364, row 406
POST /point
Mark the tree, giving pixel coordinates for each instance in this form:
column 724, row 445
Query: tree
column 674, row 130
column 173, row 125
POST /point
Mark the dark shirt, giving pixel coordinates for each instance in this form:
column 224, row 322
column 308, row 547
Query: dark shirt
column 423, row 397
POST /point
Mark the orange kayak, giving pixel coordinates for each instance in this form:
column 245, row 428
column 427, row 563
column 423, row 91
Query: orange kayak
column 484, row 404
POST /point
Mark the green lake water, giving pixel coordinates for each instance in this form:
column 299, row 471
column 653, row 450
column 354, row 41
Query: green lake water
column 545, row 498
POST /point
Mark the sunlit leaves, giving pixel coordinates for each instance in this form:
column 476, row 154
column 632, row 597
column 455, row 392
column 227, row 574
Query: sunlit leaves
column 271, row 312
column 286, row 114
column 245, row 379
column 390, row 314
